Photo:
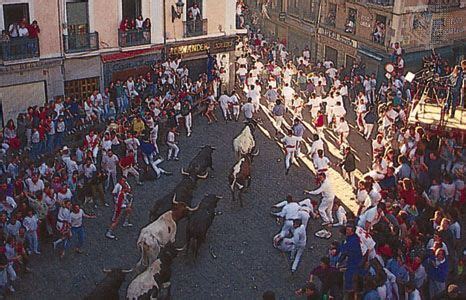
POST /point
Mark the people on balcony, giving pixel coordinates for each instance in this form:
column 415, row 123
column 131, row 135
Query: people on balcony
column 379, row 32
column 20, row 30
column 135, row 31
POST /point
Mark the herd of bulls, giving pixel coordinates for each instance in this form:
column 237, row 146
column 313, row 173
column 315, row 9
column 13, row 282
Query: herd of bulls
column 156, row 241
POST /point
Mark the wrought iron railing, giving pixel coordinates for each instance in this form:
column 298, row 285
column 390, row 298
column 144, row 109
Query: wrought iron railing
column 19, row 48
column 195, row 28
column 133, row 37
column 80, row 42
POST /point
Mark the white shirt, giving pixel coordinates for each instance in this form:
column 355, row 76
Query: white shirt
column 290, row 142
column 371, row 215
column 299, row 236
column 321, row 163
column 34, row 187
column 223, row 100
column 254, row 95
column 325, row 189
column 248, row 110
column 171, row 137
column 289, row 211
column 77, row 218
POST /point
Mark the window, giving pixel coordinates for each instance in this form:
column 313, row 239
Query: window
column 331, row 54
column 131, row 9
column 77, row 17
column 15, row 13
column 81, row 88
column 349, row 62
column 437, row 30
column 331, row 15
column 310, row 11
column 379, row 29
column 350, row 26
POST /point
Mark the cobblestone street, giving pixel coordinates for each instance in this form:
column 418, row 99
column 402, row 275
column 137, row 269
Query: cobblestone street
column 246, row 264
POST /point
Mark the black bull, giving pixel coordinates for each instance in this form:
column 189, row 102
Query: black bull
column 200, row 221
column 109, row 286
column 184, row 193
column 200, row 163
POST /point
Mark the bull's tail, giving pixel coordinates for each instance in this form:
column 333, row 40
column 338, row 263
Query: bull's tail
column 144, row 260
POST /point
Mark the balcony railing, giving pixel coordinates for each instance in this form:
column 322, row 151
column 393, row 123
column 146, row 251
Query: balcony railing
column 195, row 28
column 19, row 48
column 381, row 2
column 81, row 42
column 133, row 37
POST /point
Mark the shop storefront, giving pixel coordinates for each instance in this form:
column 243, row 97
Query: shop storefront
column 195, row 56
column 336, row 47
column 120, row 66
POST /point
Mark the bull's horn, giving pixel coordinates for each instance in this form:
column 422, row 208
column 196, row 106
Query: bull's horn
column 206, row 194
column 183, row 172
column 193, row 209
column 256, row 152
column 213, row 148
column 219, row 197
column 203, row 176
column 127, row 271
column 174, row 199
column 106, row 270
column 181, row 249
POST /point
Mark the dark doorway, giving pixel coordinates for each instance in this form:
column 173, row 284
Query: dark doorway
column 196, row 67
column 131, row 9
column 14, row 13
column 331, row 55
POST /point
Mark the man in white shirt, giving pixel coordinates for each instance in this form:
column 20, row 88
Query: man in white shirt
column 34, row 184
column 255, row 97
column 289, row 212
column 171, row 143
column 223, row 101
column 109, row 165
column 288, row 93
column 372, row 216
column 321, row 162
column 290, row 143
column 248, row 110
column 234, row 102
column 328, row 196
column 343, row 131
column 295, row 244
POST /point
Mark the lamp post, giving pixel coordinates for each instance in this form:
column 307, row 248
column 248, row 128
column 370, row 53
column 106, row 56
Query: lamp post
column 177, row 10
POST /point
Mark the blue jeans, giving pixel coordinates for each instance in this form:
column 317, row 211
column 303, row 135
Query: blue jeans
column 50, row 142
column 35, row 150
column 31, row 237
column 78, row 232
column 59, row 139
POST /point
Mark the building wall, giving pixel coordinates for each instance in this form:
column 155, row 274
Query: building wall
column 106, row 20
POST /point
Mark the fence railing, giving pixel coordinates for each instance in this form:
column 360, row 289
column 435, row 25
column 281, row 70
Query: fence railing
column 195, row 28
column 133, row 37
column 19, row 48
column 80, row 42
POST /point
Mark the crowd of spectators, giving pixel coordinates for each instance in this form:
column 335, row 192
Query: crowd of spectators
column 405, row 239
column 64, row 157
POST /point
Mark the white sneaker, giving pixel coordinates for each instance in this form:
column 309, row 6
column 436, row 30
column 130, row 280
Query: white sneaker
column 110, row 235
column 127, row 224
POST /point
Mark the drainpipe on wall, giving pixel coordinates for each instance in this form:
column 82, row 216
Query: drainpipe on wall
column 164, row 30
column 319, row 10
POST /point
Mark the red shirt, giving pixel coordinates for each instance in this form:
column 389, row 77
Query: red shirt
column 409, row 196
column 33, row 31
column 319, row 121
column 127, row 161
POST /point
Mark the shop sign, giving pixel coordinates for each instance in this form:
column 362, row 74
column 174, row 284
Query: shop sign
column 338, row 37
column 366, row 21
column 215, row 46
column 30, row 65
column 129, row 54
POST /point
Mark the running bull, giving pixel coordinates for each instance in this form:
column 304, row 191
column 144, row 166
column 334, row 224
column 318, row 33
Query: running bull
column 240, row 177
column 184, row 193
column 150, row 283
column 200, row 221
column 200, row 163
column 159, row 233
column 245, row 143
column 109, row 286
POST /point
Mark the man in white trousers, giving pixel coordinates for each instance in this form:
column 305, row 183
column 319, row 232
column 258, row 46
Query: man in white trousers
column 328, row 196
column 171, row 143
column 295, row 244
column 289, row 212
column 290, row 142
column 224, row 100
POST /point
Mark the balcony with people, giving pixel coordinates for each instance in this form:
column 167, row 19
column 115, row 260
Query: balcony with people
column 20, row 41
column 194, row 25
column 134, row 32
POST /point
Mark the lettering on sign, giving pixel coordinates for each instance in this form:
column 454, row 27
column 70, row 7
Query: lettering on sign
column 338, row 37
column 366, row 21
column 200, row 47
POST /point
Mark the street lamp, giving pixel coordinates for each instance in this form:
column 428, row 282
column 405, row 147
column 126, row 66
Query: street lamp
column 177, row 10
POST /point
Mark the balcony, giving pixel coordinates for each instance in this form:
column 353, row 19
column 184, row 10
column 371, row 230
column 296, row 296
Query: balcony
column 133, row 37
column 195, row 28
column 80, row 42
column 19, row 48
column 381, row 2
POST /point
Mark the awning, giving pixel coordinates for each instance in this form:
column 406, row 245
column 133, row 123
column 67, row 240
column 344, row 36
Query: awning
column 371, row 54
